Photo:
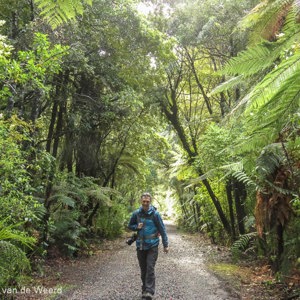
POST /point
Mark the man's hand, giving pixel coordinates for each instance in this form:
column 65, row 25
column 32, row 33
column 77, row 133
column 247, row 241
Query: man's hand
column 140, row 225
column 166, row 249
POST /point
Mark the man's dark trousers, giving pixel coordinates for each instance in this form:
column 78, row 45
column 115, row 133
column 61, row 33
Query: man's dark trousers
column 147, row 260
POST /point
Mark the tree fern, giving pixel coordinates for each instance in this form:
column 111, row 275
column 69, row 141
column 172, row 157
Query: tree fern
column 57, row 12
column 102, row 195
column 130, row 162
column 240, row 245
column 230, row 83
column 265, row 19
column 275, row 80
column 243, row 177
column 63, row 199
column 254, row 59
column 280, row 100
column 269, row 160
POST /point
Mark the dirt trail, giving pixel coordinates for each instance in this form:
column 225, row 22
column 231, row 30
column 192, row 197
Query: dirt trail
column 180, row 274
column 114, row 274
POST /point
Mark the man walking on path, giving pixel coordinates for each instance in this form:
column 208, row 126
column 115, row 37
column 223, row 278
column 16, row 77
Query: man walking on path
column 149, row 225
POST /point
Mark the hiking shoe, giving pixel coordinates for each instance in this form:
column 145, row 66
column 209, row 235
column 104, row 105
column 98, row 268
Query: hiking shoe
column 147, row 296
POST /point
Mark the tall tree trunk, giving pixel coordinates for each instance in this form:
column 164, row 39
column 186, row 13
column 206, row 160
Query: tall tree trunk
column 14, row 25
column 230, row 205
column 35, row 106
column 173, row 118
column 59, row 129
column 240, row 197
column 170, row 108
column 56, row 118
column 51, row 126
column 217, row 205
column 280, row 245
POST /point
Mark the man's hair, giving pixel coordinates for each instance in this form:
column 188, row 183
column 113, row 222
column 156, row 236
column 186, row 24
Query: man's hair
column 148, row 195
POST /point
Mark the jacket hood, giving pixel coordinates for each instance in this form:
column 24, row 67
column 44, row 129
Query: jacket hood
column 150, row 211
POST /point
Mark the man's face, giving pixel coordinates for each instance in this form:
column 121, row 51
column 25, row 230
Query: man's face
column 145, row 200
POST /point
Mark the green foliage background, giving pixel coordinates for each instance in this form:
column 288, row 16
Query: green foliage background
column 196, row 102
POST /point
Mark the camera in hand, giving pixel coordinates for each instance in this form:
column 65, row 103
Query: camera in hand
column 131, row 239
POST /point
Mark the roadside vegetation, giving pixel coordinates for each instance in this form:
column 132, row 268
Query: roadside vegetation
column 194, row 101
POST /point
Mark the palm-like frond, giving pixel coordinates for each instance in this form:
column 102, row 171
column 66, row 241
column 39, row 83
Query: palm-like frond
column 266, row 18
column 275, row 81
column 280, row 56
column 270, row 159
column 131, row 162
column 275, row 100
column 240, row 245
column 254, row 59
column 230, row 83
column 102, row 195
column 243, row 177
column 57, row 12
column 12, row 233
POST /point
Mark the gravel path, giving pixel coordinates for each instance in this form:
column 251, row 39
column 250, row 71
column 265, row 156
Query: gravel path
column 114, row 274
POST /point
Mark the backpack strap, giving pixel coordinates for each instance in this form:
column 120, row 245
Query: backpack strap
column 154, row 219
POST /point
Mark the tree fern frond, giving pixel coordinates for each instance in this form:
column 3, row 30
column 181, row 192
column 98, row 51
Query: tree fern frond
column 273, row 82
column 63, row 199
column 266, row 18
column 242, row 243
column 243, row 177
column 252, row 18
column 102, row 195
column 254, row 59
column 270, row 159
column 291, row 27
column 280, row 106
column 131, row 162
column 297, row 7
column 278, row 189
column 57, row 12
column 233, row 167
column 230, row 83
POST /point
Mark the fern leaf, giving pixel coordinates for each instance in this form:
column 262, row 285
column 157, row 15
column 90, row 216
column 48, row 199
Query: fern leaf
column 272, row 82
column 10, row 232
column 265, row 18
column 231, row 83
column 57, row 12
column 242, row 243
column 281, row 104
column 243, row 177
column 297, row 7
column 254, row 59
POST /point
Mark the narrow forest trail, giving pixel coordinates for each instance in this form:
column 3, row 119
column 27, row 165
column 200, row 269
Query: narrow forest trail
column 114, row 273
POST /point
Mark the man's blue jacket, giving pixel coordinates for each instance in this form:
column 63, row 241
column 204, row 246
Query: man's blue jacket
column 148, row 236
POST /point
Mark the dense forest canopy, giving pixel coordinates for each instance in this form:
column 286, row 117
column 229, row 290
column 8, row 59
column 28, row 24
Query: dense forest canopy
column 194, row 101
